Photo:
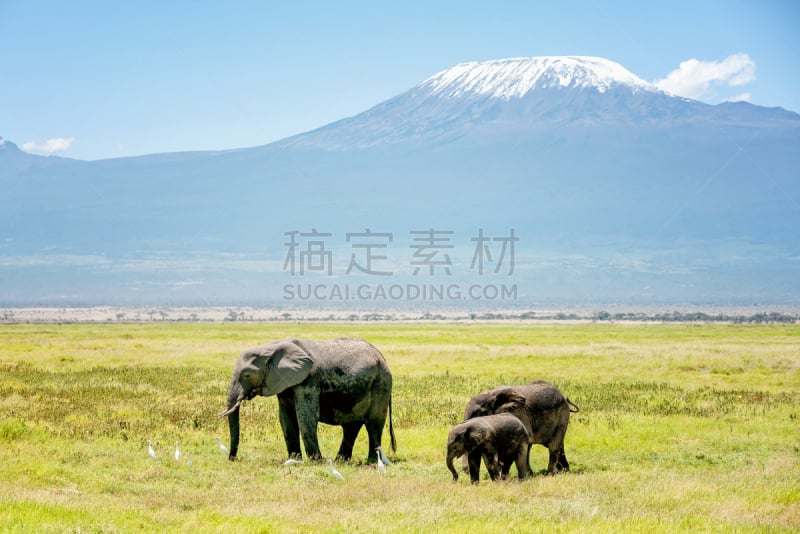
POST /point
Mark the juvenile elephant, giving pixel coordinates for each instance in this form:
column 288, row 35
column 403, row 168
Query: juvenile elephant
column 343, row 382
column 542, row 409
column 499, row 439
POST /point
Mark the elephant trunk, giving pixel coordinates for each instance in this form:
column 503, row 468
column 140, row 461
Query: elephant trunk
column 235, row 396
column 450, row 456
column 233, row 425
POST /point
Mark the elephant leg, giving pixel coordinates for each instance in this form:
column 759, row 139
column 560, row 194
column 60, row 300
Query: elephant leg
column 523, row 470
column 474, row 460
column 310, row 441
column 349, row 434
column 558, row 460
column 307, row 408
column 562, row 464
column 375, row 435
column 492, row 466
column 551, row 465
column 528, row 457
column 505, row 465
column 504, row 468
column 291, row 430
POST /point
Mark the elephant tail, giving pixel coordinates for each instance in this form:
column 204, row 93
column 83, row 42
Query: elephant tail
column 391, row 427
column 573, row 405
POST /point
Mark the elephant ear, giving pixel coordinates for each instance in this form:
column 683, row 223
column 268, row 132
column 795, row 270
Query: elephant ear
column 474, row 437
column 508, row 400
column 480, row 404
column 288, row 366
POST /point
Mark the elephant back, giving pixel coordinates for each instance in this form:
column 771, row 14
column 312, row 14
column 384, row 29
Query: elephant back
column 349, row 354
column 542, row 396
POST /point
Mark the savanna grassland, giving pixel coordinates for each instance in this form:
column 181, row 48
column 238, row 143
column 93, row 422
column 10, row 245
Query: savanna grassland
column 682, row 428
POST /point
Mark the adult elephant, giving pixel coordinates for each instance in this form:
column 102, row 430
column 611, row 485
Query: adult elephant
column 343, row 382
column 542, row 409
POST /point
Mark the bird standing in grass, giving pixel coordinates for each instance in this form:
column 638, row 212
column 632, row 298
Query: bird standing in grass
column 334, row 472
column 177, row 452
column 381, row 465
column 382, row 457
column 221, row 446
column 291, row 462
column 150, row 450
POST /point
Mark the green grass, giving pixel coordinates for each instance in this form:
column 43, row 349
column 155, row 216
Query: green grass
column 682, row 428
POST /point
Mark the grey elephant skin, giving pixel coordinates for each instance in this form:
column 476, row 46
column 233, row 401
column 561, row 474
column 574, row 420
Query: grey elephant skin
column 541, row 407
column 501, row 440
column 343, row 382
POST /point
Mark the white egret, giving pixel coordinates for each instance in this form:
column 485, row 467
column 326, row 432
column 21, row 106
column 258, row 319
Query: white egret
column 292, row 461
column 382, row 457
column 221, row 446
column 381, row 465
column 334, row 472
column 177, row 452
column 150, row 450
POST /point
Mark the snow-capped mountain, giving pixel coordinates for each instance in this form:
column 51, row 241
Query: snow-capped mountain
column 619, row 192
column 516, row 77
column 490, row 98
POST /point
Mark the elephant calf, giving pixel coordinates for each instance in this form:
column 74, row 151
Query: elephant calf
column 499, row 439
column 541, row 407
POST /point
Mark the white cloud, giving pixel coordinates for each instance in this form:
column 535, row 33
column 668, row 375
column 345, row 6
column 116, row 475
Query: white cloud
column 51, row 146
column 700, row 80
column 744, row 97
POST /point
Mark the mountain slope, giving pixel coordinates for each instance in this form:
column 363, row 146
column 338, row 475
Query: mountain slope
column 618, row 192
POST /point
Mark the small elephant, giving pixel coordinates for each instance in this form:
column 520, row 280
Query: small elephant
column 542, row 409
column 499, row 439
column 343, row 382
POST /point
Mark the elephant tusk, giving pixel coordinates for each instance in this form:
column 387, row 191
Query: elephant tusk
column 229, row 411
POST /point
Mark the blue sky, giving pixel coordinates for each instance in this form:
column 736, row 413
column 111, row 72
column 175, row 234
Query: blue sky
column 97, row 79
